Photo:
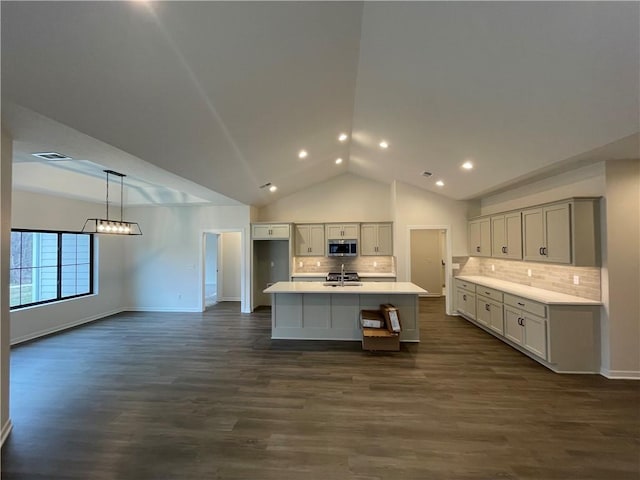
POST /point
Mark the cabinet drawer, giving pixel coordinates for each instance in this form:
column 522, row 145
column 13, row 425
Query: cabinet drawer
column 470, row 287
column 489, row 293
column 530, row 306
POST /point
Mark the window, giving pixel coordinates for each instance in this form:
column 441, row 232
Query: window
column 49, row 266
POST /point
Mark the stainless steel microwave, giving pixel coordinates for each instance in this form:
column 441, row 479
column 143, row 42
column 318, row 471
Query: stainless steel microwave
column 342, row 248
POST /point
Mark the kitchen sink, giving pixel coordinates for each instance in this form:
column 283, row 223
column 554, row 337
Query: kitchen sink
column 340, row 284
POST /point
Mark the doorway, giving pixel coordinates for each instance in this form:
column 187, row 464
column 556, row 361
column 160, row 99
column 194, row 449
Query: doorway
column 222, row 268
column 211, row 255
column 427, row 260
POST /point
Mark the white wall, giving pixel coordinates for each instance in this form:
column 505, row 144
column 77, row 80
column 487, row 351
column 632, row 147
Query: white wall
column 6, row 159
column 582, row 182
column 38, row 211
column 621, row 270
column 345, row 198
column 231, row 253
column 164, row 268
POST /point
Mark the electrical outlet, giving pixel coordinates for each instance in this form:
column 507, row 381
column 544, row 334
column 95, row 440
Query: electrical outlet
column 576, row 279
column 317, row 264
column 528, row 272
column 300, row 264
column 493, row 268
column 375, row 264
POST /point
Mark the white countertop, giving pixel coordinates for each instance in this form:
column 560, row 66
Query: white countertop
column 532, row 293
column 366, row 287
column 361, row 275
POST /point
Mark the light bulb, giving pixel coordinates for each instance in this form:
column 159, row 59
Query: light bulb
column 338, row 161
column 302, row 154
column 384, row 144
column 100, row 227
column 440, row 183
column 273, row 188
column 343, row 137
column 467, row 165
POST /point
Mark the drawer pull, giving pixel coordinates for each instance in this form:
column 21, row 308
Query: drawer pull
column 487, row 293
column 521, row 304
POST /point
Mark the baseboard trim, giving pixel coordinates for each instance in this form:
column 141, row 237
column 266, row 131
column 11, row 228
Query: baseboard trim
column 229, row 299
column 164, row 309
column 6, row 430
column 620, row 374
column 66, row 326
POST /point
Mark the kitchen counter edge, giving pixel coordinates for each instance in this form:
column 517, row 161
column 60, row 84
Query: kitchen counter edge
column 406, row 288
column 532, row 293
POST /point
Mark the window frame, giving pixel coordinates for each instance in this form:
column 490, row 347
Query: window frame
column 59, row 266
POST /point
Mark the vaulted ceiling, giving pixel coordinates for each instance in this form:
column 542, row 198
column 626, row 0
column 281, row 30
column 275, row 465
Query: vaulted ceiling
column 212, row 100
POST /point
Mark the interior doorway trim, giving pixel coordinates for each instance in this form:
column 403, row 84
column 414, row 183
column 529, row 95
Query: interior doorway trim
column 447, row 254
column 243, row 264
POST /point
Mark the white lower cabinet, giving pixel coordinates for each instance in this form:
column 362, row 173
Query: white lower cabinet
column 489, row 313
column 564, row 337
column 526, row 330
column 466, row 301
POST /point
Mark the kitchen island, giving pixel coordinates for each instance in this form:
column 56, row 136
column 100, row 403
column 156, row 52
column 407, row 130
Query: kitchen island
column 316, row 311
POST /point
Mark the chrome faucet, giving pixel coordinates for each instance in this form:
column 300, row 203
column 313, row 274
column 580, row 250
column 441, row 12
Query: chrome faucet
column 342, row 275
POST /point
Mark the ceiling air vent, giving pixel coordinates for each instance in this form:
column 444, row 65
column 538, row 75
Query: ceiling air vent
column 51, row 156
column 426, row 174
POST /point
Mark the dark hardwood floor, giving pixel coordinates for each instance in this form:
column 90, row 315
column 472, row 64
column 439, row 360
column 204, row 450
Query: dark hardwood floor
column 209, row 396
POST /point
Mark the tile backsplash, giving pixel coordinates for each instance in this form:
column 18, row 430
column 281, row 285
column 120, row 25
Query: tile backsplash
column 558, row 278
column 361, row 264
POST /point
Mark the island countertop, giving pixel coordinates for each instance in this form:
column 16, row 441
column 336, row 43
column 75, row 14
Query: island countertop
column 364, row 288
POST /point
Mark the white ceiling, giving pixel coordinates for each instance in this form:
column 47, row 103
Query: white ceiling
column 212, row 100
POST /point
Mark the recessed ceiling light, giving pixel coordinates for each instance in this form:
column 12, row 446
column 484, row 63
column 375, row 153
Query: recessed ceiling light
column 440, row 183
column 343, row 137
column 384, row 144
column 273, row 188
column 338, row 161
column 302, row 154
column 467, row 165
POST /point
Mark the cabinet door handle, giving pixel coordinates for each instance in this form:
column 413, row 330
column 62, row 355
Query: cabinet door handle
column 544, row 250
column 487, row 307
column 504, row 249
column 540, row 251
column 464, row 297
column 478, row 248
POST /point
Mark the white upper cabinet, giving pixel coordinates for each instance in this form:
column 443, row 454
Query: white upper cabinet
column 480, row 237
column 376, row 239
column 263, row 231
column 310, row 240
column 506, row 236
column 563, row 232
column 547, row 233
column 342, row 231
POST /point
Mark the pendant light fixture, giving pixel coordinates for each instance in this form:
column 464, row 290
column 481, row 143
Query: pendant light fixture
column 108, row 225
